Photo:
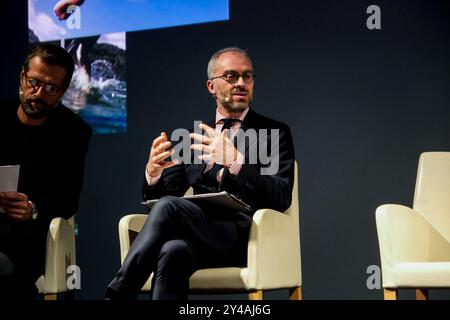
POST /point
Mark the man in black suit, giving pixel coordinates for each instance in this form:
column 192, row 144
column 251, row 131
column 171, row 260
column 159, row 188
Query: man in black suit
column 180, row 237
column 50, row 143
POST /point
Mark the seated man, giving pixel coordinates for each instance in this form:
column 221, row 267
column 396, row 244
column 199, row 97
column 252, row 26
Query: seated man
column 50, row 143
column 179, row 236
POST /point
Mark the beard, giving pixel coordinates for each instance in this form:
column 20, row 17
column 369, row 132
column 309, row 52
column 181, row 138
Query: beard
column 34, row 112
column 234, row 106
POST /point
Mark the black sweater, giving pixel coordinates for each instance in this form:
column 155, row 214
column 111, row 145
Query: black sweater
column 51, row 158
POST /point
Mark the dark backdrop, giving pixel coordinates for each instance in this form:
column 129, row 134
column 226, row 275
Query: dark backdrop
column 362, row 106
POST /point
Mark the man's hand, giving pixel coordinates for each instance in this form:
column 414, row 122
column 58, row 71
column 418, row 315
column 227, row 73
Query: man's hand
column 16, row 205
column 159, row 153
column 215, row 147
column 60, row 8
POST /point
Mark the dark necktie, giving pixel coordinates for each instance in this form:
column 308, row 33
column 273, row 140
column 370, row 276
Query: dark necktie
column 227, row 124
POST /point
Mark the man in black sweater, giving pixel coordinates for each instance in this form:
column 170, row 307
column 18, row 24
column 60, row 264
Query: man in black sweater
column 50, row 143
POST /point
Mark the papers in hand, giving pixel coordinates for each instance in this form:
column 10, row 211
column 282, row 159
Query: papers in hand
column 223, row 199
column 9, row 178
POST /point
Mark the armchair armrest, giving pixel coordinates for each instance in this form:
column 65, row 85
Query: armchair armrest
column 129, row 227
column 60, row 253
column 274, row 250
column 404, row 235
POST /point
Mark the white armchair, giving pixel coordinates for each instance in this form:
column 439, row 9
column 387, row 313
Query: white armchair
column 60, row 253
column 273, row 259
column 415, row 243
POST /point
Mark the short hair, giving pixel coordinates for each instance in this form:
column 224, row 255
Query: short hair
column 52, row 55
column 212, row 62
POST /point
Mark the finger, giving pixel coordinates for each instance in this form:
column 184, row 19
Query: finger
column 201, row 138
column 14, row 216
column 201, row 147
column 6, row 195
column 161, row 157
column 161, row 138
column 13, row 196
column 18, row 217
column 205, row 157
column 169, row 164
column 156, row 142
column 17, row 212
column 16, row 205
column 162, row 147
column 208, row 130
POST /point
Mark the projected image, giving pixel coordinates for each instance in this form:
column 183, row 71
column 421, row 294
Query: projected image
column 98, row 90
column 93, row 31
column 93, row 17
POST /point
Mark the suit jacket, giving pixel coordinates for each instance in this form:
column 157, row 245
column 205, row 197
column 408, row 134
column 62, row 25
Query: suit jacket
column 259, row 191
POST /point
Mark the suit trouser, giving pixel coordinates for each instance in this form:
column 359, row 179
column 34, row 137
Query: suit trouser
column 6, row 276
column 18, row 266
column 178, row 238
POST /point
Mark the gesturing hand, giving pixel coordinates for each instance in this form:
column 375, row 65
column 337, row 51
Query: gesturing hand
column 158, row 154
column 217, row 148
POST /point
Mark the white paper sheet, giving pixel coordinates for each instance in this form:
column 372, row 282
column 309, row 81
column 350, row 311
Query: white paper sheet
column 9, row 178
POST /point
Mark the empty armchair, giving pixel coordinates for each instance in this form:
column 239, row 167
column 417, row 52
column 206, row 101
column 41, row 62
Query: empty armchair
column 273, row 258
column 415, row 243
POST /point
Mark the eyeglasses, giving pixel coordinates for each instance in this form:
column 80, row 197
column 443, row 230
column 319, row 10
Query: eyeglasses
column 232, row 77
column 49, row 89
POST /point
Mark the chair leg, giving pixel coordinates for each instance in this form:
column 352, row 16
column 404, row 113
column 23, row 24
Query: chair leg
column 421, row 294
column 295, row 293
column 390, row 294
column 51, row 296
column 257, row 295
